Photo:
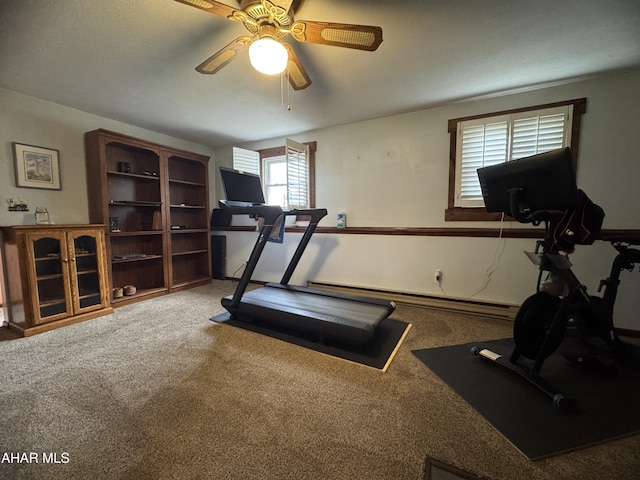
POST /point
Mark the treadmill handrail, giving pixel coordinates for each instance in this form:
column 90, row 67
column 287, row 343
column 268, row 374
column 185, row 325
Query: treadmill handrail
column 270, row 213
column 316, row 215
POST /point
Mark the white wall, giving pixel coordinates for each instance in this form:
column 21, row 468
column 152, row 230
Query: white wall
column 32, row 121
column 394, row 171
column 386, row 172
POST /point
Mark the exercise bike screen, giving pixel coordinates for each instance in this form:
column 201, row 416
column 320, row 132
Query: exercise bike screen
column 547, row 181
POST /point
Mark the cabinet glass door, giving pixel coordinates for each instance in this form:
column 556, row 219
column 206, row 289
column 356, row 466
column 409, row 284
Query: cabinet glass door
column 49, row 262
column 86, row 277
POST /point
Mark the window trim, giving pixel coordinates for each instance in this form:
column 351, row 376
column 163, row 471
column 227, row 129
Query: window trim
column 453, row 213
column 281, row 151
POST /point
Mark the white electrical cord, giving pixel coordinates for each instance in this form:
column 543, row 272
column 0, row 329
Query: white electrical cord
column 495, row 263
column 240, row 268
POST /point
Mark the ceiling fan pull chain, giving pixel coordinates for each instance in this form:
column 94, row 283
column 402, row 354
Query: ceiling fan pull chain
column 282, row 89
column 288, row 84
column 284, row 80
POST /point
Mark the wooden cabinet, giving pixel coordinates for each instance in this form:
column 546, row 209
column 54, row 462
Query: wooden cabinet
column 155, row 201
column 54, row 275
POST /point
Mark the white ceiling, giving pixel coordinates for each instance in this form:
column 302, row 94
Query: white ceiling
column 134, row 61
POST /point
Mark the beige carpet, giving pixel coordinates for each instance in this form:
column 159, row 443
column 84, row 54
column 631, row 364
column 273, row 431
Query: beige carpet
column 157, row 391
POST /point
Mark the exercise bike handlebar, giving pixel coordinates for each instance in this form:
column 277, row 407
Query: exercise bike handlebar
column 517, row 211
column 621, row 239
column 523, row 213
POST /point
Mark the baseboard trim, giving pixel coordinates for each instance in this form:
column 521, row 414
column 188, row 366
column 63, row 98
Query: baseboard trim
column 485, row 309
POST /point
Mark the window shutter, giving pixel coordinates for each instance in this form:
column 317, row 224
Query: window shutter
column 246, row 160
column 297, row 174
column 482, row 145
column 540, row 133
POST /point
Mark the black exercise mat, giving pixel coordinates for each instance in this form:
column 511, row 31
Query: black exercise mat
column 606, row 405
column 377, row 353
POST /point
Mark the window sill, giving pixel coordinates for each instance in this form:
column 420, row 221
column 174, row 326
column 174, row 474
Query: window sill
column 459, row 214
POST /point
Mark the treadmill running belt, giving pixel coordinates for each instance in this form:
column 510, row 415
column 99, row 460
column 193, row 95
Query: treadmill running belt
column 317, row 313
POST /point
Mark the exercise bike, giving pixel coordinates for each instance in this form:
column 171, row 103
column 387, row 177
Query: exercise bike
column 561, row 302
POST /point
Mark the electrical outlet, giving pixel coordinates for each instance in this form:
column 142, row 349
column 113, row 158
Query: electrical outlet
column 437, row 277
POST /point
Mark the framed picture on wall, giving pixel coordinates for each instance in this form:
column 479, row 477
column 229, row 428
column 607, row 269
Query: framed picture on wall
column 36, row 167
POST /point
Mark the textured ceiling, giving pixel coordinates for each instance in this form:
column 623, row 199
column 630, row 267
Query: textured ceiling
column 134, row 61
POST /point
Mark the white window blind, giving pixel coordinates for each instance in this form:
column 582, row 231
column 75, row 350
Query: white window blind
column 246, row 160
column 297, row 174
column 482, row 145
column 490, row 141
column 538, row 134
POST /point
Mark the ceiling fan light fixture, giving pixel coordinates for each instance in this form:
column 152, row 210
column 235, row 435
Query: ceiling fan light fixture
column 268, row 56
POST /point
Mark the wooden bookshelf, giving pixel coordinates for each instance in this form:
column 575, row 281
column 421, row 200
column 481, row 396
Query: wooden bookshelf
column 188, row 218
column 155, row 202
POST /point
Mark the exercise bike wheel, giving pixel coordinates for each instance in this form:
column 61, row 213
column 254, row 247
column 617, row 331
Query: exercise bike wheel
column 532, row 326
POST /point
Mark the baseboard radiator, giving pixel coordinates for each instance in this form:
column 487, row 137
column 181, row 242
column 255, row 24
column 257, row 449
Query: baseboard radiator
column 485, row 309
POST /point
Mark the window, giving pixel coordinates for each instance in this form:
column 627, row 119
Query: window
column 490, row 141
column 496, row 138
column 275, row 180
column 287, row 173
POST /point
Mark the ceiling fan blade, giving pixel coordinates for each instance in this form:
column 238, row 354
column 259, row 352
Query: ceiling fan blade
column 281, row 6
column 211, row 6
column 223, row 56
column 361, row 37
column 298, row 77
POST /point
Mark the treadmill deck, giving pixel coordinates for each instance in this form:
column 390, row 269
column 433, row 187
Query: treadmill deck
column 314, row 311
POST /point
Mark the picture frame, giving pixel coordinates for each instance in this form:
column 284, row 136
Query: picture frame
column 36, row 167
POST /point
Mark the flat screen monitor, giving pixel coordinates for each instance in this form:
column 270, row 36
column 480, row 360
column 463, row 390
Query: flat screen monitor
column 241, row 186
column 544, row 182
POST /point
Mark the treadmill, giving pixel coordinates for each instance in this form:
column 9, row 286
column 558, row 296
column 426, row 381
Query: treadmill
column 322, row 314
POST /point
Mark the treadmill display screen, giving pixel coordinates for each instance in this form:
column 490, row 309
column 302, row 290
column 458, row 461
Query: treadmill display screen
column 241, row 186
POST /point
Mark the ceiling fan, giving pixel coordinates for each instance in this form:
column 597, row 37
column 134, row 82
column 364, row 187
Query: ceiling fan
column 268, row 21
